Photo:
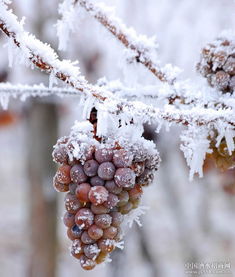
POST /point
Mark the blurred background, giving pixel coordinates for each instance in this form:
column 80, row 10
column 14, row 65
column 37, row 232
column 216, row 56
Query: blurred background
column 187, row 221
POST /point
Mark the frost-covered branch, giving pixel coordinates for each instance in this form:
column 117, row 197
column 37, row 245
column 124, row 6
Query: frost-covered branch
column 43, row 57
column 143, row 48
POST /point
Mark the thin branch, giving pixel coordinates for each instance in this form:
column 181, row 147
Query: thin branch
column 44, row 58
column 143, row 47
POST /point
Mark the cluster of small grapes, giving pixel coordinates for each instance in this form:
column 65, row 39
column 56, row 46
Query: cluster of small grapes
column 217, row 64
column 102, row 186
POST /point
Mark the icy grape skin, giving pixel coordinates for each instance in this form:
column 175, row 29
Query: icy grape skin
column 74, row 232
column 111, row 201
column 98, row 195
column 112, row 187
column 117, row 219
column 72, row 204
column 69, row 219
column 86, row 263
column 122, row 158
column 106, row 171
column 110, row 232
column 90, row 168
column 95, row 232
column 59, row 186
column 106, row 245
column 103, row 220
column 91, row 251
column 86, row 239
column 77, row 174
column 99, row 209
column 76, row 249
column 84, row 218
column 104, row 155
column 63, row 174
column 125, row 177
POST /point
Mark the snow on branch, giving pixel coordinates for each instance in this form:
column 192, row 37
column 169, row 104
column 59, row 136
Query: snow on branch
column 43, row 57
column 143, row 48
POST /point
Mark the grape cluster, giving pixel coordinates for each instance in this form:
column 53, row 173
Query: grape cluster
column 103, row 183
column 217, row 64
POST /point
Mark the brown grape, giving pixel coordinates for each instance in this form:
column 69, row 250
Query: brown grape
column 87, row 264
column 84, row 218
column 91, row 251
column 123, row 198
column 117, row 219
column 98, row 195
column 99, row 209
column 110, row 232
column 74, row 233
column 72, row 204
column 82, row 192
column 76, row 248
column 68, row 219
column 106, row 245
column 59, row 186
column 103, row 220
column 63, row 174
column 86, row 239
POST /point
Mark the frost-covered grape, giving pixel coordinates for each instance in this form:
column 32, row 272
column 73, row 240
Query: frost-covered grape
column 60, row 155
column 125, row 177
column 106, row 171
column 72, row 188
column 110, row 232
column 123, row 198
column 127, row 208
column 117, row 219
column 60, row 187
column 68, row 219
column 112, row 187
column 111, row 201
column 82, row 192
column 106, row 245
column 91, row 168
column 101, row 257
column 122, row 158
column 63, row 174
column 103, row 220
column 77, row 174
column 98, row 195
column 96, row 181
column 89, row 153
column 99, row 209
column 104, row 155
column 74, row 232
column 76, row 248
column 72, row 204
column 138, row 168
column 84, row 218
column 91, row 251
column 86, row 239
column 86, row 263
column 135, row 193
column 95, row 232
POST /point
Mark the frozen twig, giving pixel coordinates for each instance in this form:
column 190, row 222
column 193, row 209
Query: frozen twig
column 144, row 48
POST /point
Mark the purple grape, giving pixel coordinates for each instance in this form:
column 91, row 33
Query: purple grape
column 117, row 219
column 72, row 204
column 122, row 158
column 106, row 171
column 90, row 168
column 96, row 181
column 125, row 177
column 77, row 174
column 104, row 155
column 98, row 195
column 112, row 187
column 72, row 188
column 111, row 201
column 86, row 239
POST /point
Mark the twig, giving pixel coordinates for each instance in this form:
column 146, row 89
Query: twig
column 141, row 45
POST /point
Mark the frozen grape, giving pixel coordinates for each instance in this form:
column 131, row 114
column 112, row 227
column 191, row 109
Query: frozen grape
column 84, row 218
column 86, row 263
column 77, row 174
column 125, row 177
column 122, row 158
column 110, row 232
column 104, row 155
column 103, row 220
column 117, row 219
column 60, row 187
column 106, row 171
column 101, row 257
column 86, row 239
column 82, row 192
column 91, row 251
column 63, row 174
column 72, row 204
column 76, row 248
column 106, row 245
column 72, row 188
column 68, row 219
column 98, row 195
column 135, row 193
column 99, row 209
column 112, row 187
column 74, row 232
column 60, row 155
column 111, row 201
column 136, row 203
column 96, row 181
column 90, row 168
column 95, row 232
column 123, row 198
column 138, row 168
column 127, row 208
